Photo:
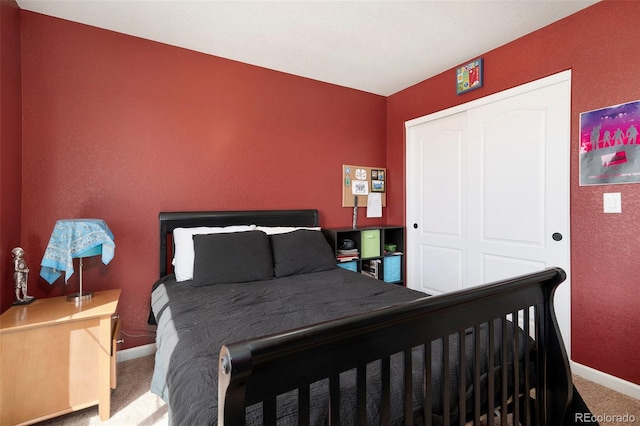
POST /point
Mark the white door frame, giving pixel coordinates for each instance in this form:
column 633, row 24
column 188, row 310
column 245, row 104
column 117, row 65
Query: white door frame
column 527, row 87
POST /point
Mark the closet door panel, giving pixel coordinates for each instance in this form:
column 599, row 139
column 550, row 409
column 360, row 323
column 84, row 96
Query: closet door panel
column 436, row 225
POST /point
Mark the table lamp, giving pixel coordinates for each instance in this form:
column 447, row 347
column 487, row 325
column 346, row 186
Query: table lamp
column 76, row 239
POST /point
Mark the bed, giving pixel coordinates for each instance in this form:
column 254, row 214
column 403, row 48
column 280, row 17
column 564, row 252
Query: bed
column 297, row 340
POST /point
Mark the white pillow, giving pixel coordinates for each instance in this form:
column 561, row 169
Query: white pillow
column 184, row 254
column 272, row 230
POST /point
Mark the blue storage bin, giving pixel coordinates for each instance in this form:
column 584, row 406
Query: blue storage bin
column 350, row 266
column 392, row 266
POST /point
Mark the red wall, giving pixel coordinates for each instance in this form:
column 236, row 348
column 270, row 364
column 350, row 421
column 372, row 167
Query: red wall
column 10, row 138
column 599, row 45
column 122, row 128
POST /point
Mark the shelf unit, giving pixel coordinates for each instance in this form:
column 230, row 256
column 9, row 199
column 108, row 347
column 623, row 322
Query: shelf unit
column 389, row 264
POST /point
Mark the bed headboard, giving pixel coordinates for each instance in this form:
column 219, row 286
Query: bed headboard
column 172, row 220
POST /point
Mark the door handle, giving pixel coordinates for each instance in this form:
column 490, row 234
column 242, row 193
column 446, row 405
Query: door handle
column 556, row 236
column 415, row 226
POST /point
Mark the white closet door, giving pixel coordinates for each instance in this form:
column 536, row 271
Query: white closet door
column 488, row 191
column 518, row 186
column 518, row 190
column 436, row 205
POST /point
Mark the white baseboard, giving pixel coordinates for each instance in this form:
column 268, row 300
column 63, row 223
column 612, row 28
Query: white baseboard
column 604, row 379
column 137, row 352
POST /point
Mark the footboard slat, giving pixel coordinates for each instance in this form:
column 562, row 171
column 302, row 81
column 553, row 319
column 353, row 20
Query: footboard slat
column 304, row 406
column 504, row 371
column 462, row 388
column 427, row 384
column 408, row 388
column 491, row 369
column 538, row 388
column 334, row 400
column 446, row 382
column 269, row 411
column 260, row 369
column 477, row 390
column 361, row 394
column 540, row 391
column 516, row 368
column 527, row 372
column 385, row 406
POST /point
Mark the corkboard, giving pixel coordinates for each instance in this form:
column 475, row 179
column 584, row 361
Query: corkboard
column 376, row 178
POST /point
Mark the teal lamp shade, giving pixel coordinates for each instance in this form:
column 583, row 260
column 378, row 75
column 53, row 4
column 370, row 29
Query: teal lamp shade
column 76, row 239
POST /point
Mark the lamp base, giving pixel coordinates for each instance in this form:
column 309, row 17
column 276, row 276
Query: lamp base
column 79, row 297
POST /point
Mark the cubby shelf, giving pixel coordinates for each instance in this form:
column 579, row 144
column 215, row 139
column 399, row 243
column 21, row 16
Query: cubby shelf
column 372, row 256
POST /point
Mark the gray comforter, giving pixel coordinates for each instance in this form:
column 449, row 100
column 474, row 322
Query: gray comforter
column 194, row 323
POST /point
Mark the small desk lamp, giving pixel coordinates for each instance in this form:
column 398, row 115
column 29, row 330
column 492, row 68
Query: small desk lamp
column 76, row 238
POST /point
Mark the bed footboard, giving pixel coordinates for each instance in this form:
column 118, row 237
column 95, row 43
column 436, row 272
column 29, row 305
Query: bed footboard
column 498, row 348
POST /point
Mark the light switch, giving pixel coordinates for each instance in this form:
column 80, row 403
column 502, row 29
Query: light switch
column 612, row 202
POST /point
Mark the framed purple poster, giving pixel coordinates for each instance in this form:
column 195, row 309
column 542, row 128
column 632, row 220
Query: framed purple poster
column 609, row 145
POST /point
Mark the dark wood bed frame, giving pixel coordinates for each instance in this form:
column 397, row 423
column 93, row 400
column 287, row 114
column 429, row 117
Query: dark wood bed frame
column 259, row 370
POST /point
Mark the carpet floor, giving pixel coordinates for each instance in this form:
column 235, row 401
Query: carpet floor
column 132, row 404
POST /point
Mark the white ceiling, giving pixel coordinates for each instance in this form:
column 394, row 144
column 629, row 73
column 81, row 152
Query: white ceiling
column 375, row 46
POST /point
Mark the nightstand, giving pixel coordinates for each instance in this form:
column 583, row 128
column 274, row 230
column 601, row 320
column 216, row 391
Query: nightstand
column 58, row 357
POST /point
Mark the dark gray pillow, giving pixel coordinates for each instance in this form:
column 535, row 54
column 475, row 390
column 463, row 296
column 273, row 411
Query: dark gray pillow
column 301, row 252
column 234, row 257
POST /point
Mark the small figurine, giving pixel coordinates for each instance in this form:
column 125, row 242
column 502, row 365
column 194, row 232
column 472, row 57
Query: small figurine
column 20, row 276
